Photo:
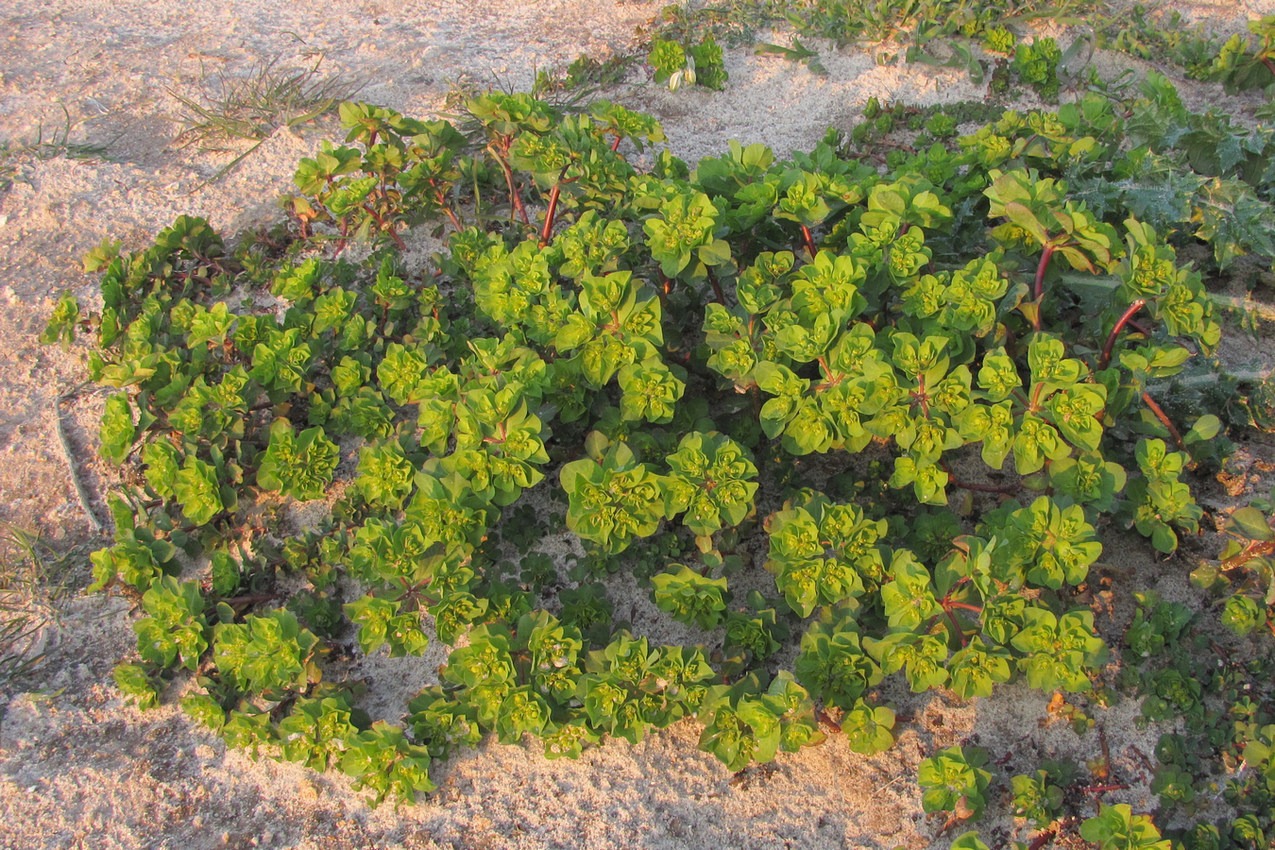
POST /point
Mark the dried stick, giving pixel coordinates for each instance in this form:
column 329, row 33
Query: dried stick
column 81, row 491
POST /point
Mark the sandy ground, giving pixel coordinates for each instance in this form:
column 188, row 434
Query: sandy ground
column 78, row 767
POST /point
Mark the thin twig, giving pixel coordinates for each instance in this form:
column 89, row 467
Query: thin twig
column 81, row 491
column 1103, row 789
column 1004, row 489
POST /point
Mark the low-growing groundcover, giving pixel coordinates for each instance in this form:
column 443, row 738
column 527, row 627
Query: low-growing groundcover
column 867, row 417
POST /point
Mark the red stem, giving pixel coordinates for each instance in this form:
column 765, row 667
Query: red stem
column 1039, row 290
column 717, row 287
column 810, row 241
column 1140, row 328
column 514, row 197
column 663, row 290
column 1164, row 420
column 616, row 144
column 386, row 228
column 442, row 202
column 1004, row 489
column 251, row 599
column 1035, row 405
column 922, row 397
column 553, row 205
column 1124, row 319
column 549, row 213
column 955, row 625
column 1256, row 549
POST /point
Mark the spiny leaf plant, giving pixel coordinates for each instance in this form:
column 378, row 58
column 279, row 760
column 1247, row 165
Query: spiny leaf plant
column 1240, row 61
column 798, row 367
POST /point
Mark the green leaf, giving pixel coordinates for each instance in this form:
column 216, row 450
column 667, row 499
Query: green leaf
column 1242, row 615
column 135, row 684
column 196, row 488
column 270, row 654
column 953, row 777
column 614, row 499
column 691, row 597
column 297, row 465
column 118, row 432
column 1251, row 523
column 868, row 729
column 968, row 841
column 1117, row 828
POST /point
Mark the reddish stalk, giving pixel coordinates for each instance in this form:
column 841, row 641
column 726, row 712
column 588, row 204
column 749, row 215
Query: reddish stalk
column 514, row 197
column 948, row 604
column 1039, row 289
column 553, row 206
column 1256, row 549
column 549, row 213
column 1124, row 319
column 921, row 397
column 1164, row 420
column 1040, row 388
column 1003, row 489
column 386, row 227
column 809, row 240
column 1139, row 327
column 663, row 291
column 616, row 144
column 717, row 287
column 251, row 599
column 442, row 203
column 956, row 625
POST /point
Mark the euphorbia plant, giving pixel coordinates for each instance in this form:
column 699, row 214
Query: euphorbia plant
column 676, row 371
